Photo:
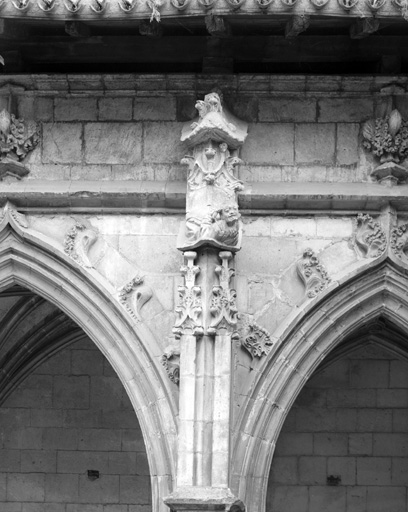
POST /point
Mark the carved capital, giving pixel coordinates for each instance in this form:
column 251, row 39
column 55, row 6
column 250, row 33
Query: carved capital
column 369, row 239
column 387, row 139
column 78, row 241
column 134, row 295
column 189, row 309
column 312, row 273
column 223, row 308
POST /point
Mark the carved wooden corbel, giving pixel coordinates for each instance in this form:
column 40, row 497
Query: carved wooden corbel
column 369, row 238
column 312, row 273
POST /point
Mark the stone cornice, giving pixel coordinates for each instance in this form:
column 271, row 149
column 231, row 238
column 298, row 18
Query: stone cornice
column 159, row 196
column 195, row 85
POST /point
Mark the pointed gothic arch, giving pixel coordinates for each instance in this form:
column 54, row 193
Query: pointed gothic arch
column 377, row 288
column 30, row 260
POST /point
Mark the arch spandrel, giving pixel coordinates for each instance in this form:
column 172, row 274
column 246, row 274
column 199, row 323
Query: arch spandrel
column 30, row 260
column 376, row 288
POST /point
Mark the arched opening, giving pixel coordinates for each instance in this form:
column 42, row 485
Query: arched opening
column 344, row 443
column 69, row 434
column 30, row 260
column 372, row 291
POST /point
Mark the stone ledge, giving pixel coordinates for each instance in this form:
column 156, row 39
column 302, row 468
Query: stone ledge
column 151, row 196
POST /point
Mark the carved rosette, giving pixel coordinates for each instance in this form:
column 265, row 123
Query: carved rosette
column 257, row 340
column 78, row 241
column 212, row 216
column 223, row 308
column 312, row 273
column 189, row 309
column 399, row 242
column 17, row 139
column 387, row 139
column 370, row 240
column 134, row 295
column 171, row 361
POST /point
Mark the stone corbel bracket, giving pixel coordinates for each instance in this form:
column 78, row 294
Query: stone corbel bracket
column 312, row 273
column 134, row 295
column 189, row 310
column 369, row 239
column 212, row 216
column 387, row 139
column 223, row 307
column 79, row 240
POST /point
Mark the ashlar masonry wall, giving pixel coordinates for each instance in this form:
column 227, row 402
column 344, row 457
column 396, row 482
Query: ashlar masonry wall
column 344, row 444
column 69, row 416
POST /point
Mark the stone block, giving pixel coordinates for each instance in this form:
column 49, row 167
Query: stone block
column 270, row 144
column 126, row 418
column 60, row 439
column 113, row 143
column 80, row 461
column 356, row 499
column 23, row 438
column 294, row 444
column 91, row 172
column 293, row 226
column 395, row 445
column 312, row 397
column 75, row 109
column 25, row 487
column 316, row 420
column 162, row 143
column 61, row 488
column 59, row 363
column 81, row 418
column 374, row 420
column 288, row 110
column 132, row 440
column 392, row 398
column 351, row 398
column 122, row 463
column 135, row 490
column 103, row 490
column 369, row 374
column 3, row 486
column 398, row 374
column 107, row 393
column 257, row 226
column 10, row 461
column 360, row 444
column 399, row 471
column 374, row 470
column 46, row 418
column 154, row 109
column 62, row 143
column 315, row 143
column 346, row 110
column 11, row 507
column 86, row 362
column 344, row 467
column 327, row 498
column 284, row 498
column 347, row 143
column 38, row 461
column 99, row 439
column 115, row 109
column 391, row 499
column 400, row 420
column 36, row 391
column 284, row 471
column 330, row 444
column 346, row 420
column 312, row 470
column 71, row 392
column 244, row 108
column 335, row 376
column 86, row 508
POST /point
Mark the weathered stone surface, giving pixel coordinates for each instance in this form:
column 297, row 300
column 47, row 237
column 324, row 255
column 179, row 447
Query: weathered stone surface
column 62, row 143
column 113, row 143
column 349, row 110
column 347, row 143
column 154, row 109
column 162, row 143
column 115, row 109
column 269, row 144
column 75, row 109
column 315, row 144
column 288, row 110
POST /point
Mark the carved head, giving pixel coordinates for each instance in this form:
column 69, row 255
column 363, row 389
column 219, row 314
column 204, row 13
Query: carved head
column 213, row 101
column 229, row 214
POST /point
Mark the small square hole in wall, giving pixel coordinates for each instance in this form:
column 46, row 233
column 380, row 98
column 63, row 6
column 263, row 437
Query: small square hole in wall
column 333, row 480
column 93, row 474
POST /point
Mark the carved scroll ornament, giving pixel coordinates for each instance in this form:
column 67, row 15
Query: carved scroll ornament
column 78, row 241
column 171, row 361
column 212, row 216
column 387, row 139
column 189, row 309
column 223, row 306
column 17, row 139
column 134, row 295
column 370, row 239
column 312, row 273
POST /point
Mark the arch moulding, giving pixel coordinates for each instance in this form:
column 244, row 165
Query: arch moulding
column 378, row 288
column 29, row 259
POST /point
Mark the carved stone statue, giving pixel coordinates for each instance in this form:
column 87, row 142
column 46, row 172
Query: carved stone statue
column 212, row 216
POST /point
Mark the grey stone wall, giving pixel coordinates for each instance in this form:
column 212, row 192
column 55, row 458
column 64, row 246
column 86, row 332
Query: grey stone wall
column 350, row 423
column 71, row 415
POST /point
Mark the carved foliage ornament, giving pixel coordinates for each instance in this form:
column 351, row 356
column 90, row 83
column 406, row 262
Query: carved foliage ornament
column 223, row 306
column 133, row 296
column 257, row 340
column 17, row 139
column 171, row 361
column 312, row 273
column 189, row 309
column 399, row 242
column 78, row 241
column 370, row 239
